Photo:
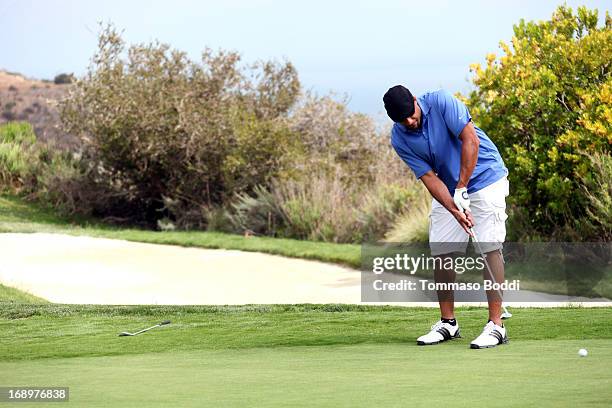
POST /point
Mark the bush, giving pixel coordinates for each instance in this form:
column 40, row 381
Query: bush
column 7, row 111
column 325, row 208
column 259, row 213
column 43, row 172
column 161, row 129
column 381, row 206
column 172, row 143
column 598, row 190
column 333, row 136
column 347, row 185
column 413, row 224
column 63, row 79
column 62, row 181
column 13, row 164
column 544, row 102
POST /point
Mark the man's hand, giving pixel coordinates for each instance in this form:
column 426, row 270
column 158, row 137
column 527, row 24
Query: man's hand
column 439, row 191
column 464, row 218
column 463, row 215
column 462, row 199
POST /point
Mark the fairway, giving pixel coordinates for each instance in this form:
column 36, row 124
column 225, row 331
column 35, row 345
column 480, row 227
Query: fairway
column 303, row 355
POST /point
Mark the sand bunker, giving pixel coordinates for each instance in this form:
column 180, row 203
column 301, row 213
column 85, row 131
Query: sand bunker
column 71, row 269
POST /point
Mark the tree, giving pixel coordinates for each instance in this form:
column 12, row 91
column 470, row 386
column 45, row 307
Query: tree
column 170, row 137
column 63, row 79
column 547, row 104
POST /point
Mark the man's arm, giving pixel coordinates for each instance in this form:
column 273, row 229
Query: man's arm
column 469, row 157
column 439, row 191
column 469, row 154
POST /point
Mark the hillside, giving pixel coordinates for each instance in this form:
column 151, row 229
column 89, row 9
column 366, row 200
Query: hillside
column 34, row 101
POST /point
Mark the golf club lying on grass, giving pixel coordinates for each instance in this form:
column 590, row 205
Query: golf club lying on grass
column 144, row 330
column 506, row 314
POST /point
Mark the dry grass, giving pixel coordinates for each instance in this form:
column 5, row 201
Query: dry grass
column 413, row 224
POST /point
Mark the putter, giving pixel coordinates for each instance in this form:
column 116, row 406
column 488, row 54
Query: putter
column 144, row 330
column 506, row 314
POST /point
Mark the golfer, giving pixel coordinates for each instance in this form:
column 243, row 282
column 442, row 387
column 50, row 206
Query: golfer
column 466, row 176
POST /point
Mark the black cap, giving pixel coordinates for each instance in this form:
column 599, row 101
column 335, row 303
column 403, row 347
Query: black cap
column 399, row 103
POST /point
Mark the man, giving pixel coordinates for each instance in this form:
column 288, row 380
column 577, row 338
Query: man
column 466, row 176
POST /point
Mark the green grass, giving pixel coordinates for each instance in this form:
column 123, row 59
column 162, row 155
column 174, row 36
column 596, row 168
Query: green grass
column 17, row 215
column 304, row 355
column 50, row 330
column 528, row 374
column 17, row 132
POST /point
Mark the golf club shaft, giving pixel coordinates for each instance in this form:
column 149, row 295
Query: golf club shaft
column 152, row 327
column 147, row 329
column 484, row 256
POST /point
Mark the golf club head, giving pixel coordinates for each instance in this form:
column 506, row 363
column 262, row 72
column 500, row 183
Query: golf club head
column 164, row 322
column 125, row 334
column 506, row 315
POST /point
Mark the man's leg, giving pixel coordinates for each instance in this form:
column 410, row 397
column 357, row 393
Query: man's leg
column 446, row 237
column 444, row 233
column 446, row 298
column 496, row 263
column 489, row 212
column 494, row 333
column 447, row 327
column 488, row 209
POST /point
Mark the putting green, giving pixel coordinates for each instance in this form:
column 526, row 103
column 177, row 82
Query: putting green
column 524, row 373
column 302, row 355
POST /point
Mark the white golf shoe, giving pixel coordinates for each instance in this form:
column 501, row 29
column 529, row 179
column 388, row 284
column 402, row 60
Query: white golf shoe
column 440, row 332
column 492, row 335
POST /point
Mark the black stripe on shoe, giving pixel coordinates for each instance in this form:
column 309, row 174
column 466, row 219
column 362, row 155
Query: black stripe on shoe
column 444, row 332
column 497, row 335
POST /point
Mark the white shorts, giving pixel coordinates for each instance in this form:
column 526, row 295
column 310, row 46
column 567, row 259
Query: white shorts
column 489, row 212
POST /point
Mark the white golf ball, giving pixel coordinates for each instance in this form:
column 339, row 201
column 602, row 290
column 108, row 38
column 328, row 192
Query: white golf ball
column 583, row 353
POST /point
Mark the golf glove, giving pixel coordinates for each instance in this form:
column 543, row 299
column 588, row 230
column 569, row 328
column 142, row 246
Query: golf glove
column 462, row 199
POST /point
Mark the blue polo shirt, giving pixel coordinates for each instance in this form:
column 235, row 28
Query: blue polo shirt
column 436, row 145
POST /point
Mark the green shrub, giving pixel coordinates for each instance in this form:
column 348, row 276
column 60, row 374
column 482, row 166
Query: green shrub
column 17, row 161
column 62, row 182
column 43, row 172
column 598, row 190
column 258, row 148
column 258, row 212
column 159, row 128
column 545, row 101
column 13, row 163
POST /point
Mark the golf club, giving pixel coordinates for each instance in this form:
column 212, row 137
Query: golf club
column 144, row 330
column 506, row 314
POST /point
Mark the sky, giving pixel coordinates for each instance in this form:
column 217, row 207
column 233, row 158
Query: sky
column 353, row 48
